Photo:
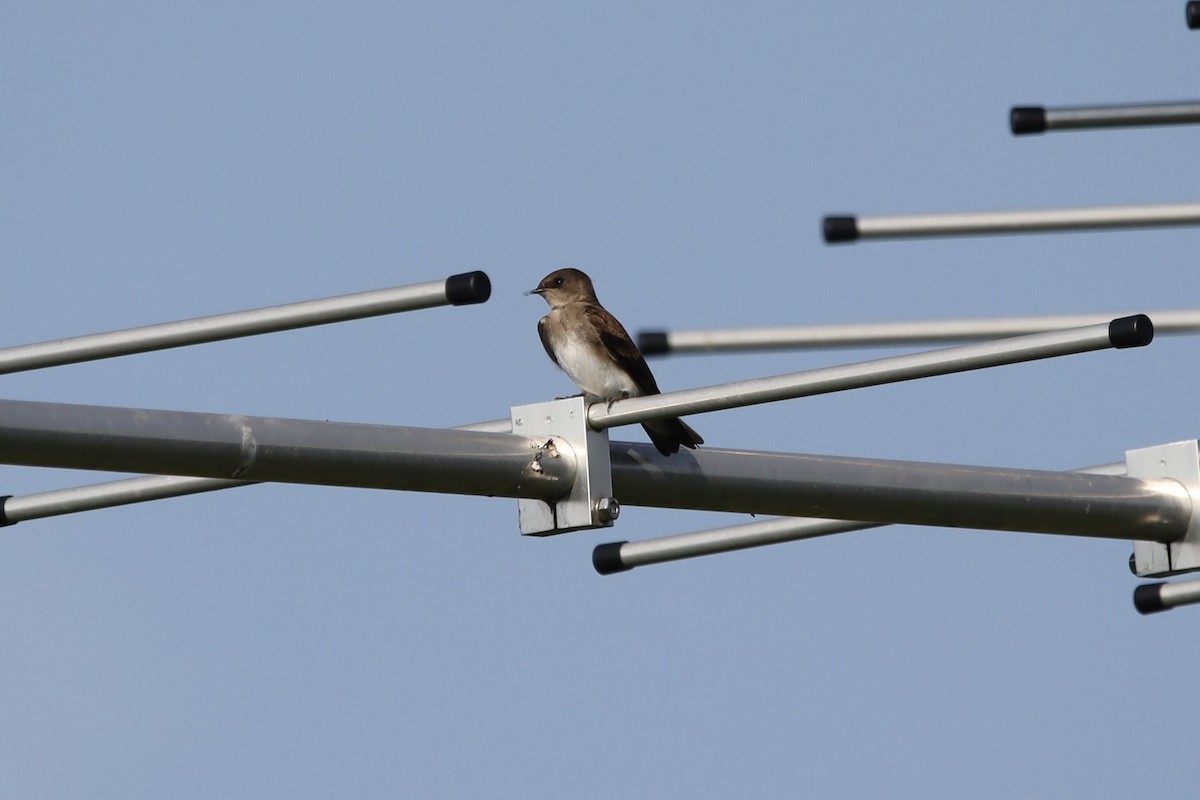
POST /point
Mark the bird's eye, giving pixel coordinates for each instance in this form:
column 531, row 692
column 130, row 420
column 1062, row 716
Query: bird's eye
column 558, row 281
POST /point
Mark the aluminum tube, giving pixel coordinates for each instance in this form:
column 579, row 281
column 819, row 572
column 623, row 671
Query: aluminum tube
column 285, row 450
column 1038, row 119
column 1126, row 332
column 139, row 490
column 845, row 229
column 731, row 340
column 457, row 290
column 905, row 492
column 1150, row 598
column 106, row 495
column 621, row 556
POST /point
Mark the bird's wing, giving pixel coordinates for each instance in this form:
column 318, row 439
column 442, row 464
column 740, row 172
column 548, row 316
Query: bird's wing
column 624, row 352
column 544, row 335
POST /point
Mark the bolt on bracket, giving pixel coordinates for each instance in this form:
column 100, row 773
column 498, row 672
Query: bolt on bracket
column 560, row 426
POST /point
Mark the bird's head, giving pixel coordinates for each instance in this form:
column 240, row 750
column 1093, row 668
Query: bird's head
column 565, row 286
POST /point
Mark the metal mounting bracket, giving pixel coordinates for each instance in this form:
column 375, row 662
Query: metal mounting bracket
column 561, row 426
column 1179, row 461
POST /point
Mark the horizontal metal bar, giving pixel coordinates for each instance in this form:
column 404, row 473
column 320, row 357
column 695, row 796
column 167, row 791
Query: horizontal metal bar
column 254, row 449
column 733, row 340
column 905, row 492
column 615, row 557
column 1039, row 119
column 140, row 490
column 1150, row 598
column 472, row 287
column 851, row 228
column 1132, row 331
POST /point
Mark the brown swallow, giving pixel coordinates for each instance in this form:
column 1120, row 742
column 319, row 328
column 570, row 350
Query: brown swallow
column 588, row 343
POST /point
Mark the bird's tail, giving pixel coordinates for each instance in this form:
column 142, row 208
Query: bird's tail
column 669, row 434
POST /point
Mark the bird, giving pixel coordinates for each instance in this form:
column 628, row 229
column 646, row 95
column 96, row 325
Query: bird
column 592, row 347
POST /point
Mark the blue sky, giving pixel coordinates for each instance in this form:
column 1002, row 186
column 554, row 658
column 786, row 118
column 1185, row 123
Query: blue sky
column 164, row 161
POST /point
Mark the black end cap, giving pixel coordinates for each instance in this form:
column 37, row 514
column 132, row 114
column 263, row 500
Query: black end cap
column 606, row 558
column 1027, row 119
column 4, row 520
column 1147, row 598
column 840, row 229
column 468, row 288
column 1193, row 15
column 653, row 343
column 1135, row 331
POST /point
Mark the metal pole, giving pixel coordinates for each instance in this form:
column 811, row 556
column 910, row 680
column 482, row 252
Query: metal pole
column 1193, row 14
column 1039, row 119
column 468, row 288
column 106, row 495
column 905, row 492
column 732, row 340
column 254, row 449
column 851, row 228
column 142, row 489
column 1150, row 598
column 1134, row 331
column 615, row 557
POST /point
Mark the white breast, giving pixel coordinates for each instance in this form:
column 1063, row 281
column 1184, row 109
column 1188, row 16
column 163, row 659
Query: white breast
column 596, row 376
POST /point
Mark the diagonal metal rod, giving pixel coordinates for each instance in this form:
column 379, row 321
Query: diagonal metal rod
column 734, row 340
column 1039, row 119
column 855, row 228
column 623, row 556
column 468, row 288
column 1132, row 331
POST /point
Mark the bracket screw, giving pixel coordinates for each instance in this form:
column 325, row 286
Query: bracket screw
column 607, row 509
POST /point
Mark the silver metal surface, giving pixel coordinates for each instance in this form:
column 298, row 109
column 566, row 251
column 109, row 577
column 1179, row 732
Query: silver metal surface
column 107, row 495
column 223, row 326
column 1067, row 219
column 734, row 537
column 852, row 376
column 758, row 534
column 1173, row 595
column 732, row 340
column 1119, row 116
column 561, row 428
column 1179, row 461
column 270, row 449
column 143, row 489
column 870, row 490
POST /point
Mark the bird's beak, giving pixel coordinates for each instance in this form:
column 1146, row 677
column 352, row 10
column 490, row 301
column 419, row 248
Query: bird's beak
column 538, row 290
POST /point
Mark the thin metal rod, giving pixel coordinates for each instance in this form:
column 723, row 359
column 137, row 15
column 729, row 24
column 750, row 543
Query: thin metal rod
column 255, row 449
column 463, row 289
column 903, row 492
column 1132, row 331
column 1150, row 598
column 106, row 495
column 142, row 489
column 851, row 228
column 621, row 556
column 734, row 340
column 1039, row 119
